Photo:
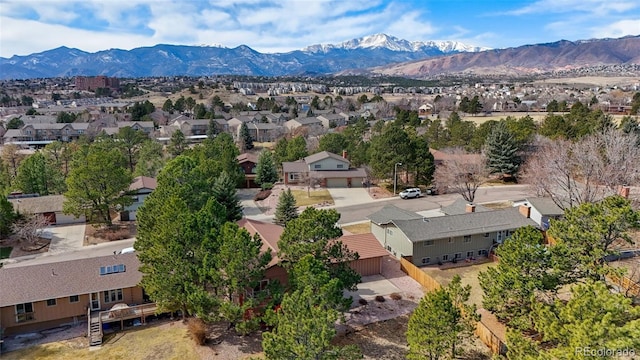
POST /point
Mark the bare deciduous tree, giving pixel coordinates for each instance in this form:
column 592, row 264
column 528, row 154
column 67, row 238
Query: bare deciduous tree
column 30, row 227
column 462, row 172
column 584, row 171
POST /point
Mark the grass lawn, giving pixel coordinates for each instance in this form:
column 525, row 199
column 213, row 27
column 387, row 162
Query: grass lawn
column 361, row 228
column 5, row 252
column 316, row 197
column 167, row 341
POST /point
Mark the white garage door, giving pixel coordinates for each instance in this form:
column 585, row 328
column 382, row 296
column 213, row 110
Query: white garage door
column 334, row 183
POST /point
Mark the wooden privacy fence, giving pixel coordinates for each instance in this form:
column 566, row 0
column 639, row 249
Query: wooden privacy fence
column 488, row 329
column 628, row 286
column 418, row 275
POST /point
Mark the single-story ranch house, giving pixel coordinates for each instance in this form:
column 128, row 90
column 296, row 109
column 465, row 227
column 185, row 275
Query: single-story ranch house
column 445, row 238
column 331, row 170
column 49, row 206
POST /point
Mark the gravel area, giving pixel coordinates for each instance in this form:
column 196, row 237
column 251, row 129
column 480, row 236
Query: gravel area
column 21, row 341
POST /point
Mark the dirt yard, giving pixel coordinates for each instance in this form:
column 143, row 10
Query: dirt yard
column 21, row 248
column 119, row 231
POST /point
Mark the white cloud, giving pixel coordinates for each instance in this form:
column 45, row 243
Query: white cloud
column 617, row 29
column 599, row 7
column 23, row 37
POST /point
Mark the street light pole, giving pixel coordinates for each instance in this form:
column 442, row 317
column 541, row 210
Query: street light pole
column 395, row 177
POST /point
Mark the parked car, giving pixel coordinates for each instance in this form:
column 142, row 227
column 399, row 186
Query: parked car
column 431, row 191
column 410, row 193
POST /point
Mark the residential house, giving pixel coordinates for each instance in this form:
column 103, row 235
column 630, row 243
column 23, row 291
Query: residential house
column 541, row 210
column 332, row 120
column 49, row 206
column 328, row 169
column 440, row 239
column 263, row 132
column 439, row 157
column 302, row 122
column 146, row 127
column 140, row 188
column 248, row 163
column 44, row 133
column 50, row 291
column 369, row 262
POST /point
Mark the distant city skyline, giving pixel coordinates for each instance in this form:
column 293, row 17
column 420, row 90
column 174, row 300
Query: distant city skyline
column 32, row 26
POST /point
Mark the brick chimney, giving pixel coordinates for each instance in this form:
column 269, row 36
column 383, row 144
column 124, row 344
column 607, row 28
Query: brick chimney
column 525, row 210
column 470, row 208
column 624, row 191
column 344, row 154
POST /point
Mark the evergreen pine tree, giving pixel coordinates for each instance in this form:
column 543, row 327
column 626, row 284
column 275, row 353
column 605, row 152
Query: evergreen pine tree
column 286, row 210
column 177, row 143
column 266, row 171
column 212, row 131
column 501, row 149
column 224, row 191
column 247, row 141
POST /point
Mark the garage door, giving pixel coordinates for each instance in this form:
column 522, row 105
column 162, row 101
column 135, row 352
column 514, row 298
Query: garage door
column 334, row 183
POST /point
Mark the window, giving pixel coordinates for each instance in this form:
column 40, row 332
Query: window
column 486, row 234
column 428, row 243
column 467, row 238
column 389, row 231
column 73, row 299
column 24, row 312
column 112, row 269
column 482, row 252
column 458, row 256
column 113, row 295
column 445, row 257
column 340, row 166
column 317, row 166
column 450, row 240
column 294, row 176
column 51, row 302
column 469, row 254
column 426, row 260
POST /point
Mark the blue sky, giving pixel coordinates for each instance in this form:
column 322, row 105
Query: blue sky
column 30, row 26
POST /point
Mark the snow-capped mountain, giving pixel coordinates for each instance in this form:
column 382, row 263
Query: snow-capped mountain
column 384, row 41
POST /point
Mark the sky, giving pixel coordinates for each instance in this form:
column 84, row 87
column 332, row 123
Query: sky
column 30, row 26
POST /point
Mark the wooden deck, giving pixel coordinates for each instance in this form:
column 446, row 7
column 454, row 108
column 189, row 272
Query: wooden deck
column 96, row 319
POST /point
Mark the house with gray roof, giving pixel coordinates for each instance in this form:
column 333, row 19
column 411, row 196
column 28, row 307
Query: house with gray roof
column 542, row 210
column 456, row 237
column 329, row 169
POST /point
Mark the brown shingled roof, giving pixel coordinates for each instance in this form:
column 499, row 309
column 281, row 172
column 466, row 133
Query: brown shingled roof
column 143, row 182
column 366, row 245
column 269, row 233
column 50, row 280
column 38, row 204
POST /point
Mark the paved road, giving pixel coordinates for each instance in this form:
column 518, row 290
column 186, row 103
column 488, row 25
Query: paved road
column 359, row 212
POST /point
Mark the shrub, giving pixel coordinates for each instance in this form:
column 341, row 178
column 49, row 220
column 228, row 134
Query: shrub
column 262, row 195
column 395, row 296
column 266, row 186
column 117, row 234
column 362, row 301
column 197, row 330
column 380, row 298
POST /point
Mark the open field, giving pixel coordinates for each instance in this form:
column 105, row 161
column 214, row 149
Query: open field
column 592, row 80
column 166, row 341
column 313, row 197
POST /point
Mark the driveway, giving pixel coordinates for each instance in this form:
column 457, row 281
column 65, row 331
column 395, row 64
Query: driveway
column 349, row 196
column 66, row 238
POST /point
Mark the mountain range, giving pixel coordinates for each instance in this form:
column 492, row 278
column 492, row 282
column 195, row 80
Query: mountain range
column 378, row 53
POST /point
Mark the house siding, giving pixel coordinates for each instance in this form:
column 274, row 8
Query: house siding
column 64, row 312
column 396, row 242
column 442, row 247
column 329, row 164
column 367, row 267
